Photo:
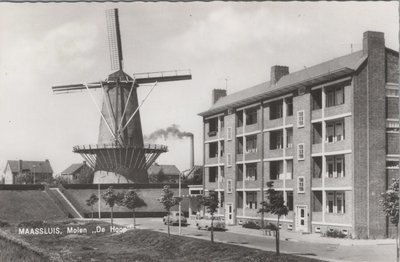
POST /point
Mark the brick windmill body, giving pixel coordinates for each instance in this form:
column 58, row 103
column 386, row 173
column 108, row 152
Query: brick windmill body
column 120, row 156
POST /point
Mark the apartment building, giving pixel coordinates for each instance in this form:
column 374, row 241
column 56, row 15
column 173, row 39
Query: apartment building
column 326, row 136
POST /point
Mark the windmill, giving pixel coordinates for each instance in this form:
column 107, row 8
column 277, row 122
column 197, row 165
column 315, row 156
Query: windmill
column 120, row 151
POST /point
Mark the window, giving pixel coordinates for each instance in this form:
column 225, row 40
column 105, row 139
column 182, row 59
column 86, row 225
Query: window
column 317, row 201
column 251, row 144
column 251, row 116
column 221, row 176
column 213, row 127
column 336, row 202
column 221, row 199
column 317, row 167
column 251, row 172
column 251, row 200
column 239, row 199
column 300, row 118
column 229, row 186
column 316, row 99
column 300, row 152
column 289, row 138
column 289, row 200
column 213, row 150
column 334, row 131
column 276, row 170
column 335, row 166
column 239, row 147
column 229, row 159
column 289, row 169
column 392, row 164
column 289, row 106
column 239, row 171
column 221, row 122
column 276, row 140
column 212, row 174
column 334, row 96
column 300, row 184
column 275, row 110
column 221, row 149
column 239, row 116
column 229, row 133
column 317, row 133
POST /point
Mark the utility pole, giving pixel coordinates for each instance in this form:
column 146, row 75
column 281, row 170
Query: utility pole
column 180, row 204
column 398, row 221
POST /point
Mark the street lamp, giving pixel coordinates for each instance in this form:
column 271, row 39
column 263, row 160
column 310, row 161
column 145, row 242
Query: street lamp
column 180, row 204
column 34, row 178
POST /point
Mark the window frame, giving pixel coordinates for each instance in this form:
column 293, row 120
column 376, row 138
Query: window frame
column 301, row 151
column 229, row 159
column 301, row 182
column 229, row 186
column 300, row 119
column 229, row 133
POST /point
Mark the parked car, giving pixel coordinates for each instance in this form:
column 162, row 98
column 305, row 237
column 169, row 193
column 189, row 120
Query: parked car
column 174, row 218
column 205, row 222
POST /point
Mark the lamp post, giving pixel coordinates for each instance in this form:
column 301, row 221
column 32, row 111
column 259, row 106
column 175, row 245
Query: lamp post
column 180, row 204
column 34, row 177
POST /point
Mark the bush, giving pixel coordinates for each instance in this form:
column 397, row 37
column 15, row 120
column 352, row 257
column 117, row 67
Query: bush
column 270, row 226
column 251, row 224
column 335, row 233
column 4, row 224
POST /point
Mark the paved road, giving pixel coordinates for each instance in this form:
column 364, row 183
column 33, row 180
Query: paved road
column 330, row 252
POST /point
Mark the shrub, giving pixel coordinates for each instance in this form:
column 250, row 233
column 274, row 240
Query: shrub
column 335, row 233
column 4, row 224
column 270, row 226
column 251, row 224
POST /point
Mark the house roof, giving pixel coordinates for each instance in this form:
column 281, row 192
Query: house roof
column 157, row 169
column 72, row 169
column 37, row 166
column 332, row 69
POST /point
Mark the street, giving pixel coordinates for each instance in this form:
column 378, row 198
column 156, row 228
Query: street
column 323, row 251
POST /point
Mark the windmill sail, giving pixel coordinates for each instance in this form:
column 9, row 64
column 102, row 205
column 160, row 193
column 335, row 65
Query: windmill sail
column 114, row 39
column 120, row 150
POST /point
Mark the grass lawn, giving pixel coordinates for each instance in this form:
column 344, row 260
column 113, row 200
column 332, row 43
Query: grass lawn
column 144, row 245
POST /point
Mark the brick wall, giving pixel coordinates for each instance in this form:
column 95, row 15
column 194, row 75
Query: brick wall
column 302, row 167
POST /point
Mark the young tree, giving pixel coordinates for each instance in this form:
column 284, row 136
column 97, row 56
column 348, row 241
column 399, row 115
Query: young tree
column 211, row 202
column 168, row 201
column 132, row 201
column 111, row 199
column 91, row 201
column 276, row 206
column 390, row 203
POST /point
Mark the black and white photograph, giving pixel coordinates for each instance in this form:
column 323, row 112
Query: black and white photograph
column 199, row 131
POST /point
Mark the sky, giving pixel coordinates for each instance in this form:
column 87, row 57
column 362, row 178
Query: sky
column 224, row 44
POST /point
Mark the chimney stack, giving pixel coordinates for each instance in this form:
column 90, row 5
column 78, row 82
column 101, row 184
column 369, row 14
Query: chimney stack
column 373, row 41
column 277, row 72
column 217, row 94
column 191, row 151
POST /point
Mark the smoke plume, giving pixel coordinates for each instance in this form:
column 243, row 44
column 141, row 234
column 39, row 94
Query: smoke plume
column 172, row 131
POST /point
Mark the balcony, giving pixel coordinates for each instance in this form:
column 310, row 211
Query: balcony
column 337, row 146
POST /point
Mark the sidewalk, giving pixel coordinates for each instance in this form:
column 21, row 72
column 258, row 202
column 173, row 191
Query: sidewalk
column 313, row 237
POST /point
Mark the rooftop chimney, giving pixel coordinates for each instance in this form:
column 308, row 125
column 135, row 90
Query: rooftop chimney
column 217, row 94
column 277, row 72
column 373, row 40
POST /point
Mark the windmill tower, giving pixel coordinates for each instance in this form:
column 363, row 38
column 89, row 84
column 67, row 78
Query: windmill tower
column 120, row 154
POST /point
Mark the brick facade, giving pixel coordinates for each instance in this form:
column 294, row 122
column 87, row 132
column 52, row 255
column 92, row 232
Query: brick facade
column 327, row 136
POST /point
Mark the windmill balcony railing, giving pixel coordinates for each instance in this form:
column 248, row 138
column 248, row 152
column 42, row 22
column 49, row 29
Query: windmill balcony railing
column 163, row 73
column 115, row 145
